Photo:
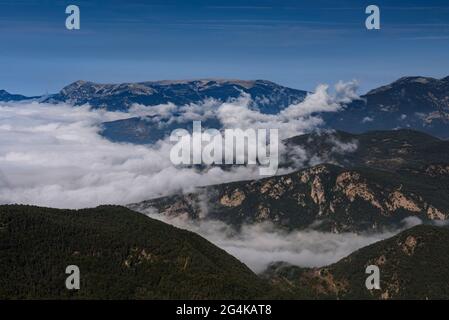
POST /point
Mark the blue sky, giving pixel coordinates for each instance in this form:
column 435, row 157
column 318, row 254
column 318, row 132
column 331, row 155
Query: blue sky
column 294, row 43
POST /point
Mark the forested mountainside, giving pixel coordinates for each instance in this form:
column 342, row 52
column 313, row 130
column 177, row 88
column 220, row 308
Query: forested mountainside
column 412, row 265
column 121, row 254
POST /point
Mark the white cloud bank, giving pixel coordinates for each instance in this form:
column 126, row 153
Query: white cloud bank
column 296, row 118
column 52, row 155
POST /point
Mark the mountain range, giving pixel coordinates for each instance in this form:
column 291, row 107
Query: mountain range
column 416, row 103
column 419, row 103
column 268, row 96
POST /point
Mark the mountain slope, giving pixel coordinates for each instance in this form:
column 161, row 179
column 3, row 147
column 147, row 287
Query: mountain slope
column 6, row 96
column 125, row 255
column 386, row 150
column 142, row 130
column 325, row 197
column 412, row 264
column 267, row 96
column 418, row 103
column 121, row 255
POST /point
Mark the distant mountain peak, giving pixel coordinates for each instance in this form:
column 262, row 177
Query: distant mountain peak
column 194, row 82
column 268, row 96
column 79, row 83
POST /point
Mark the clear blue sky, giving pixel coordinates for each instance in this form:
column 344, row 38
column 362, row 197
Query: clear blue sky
column 294, row 43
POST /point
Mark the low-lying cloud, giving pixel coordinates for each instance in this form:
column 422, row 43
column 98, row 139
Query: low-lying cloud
column 260, row 244
column 53, row 155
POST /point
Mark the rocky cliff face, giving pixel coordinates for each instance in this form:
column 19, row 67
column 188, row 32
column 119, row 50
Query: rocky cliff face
column 324, row 197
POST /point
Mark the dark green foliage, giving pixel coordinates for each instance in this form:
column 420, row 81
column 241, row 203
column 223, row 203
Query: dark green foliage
column 121, row 255
column 125, row 255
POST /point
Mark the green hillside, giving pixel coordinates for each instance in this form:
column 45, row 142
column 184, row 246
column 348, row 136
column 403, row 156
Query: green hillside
column 412, row 264
column 121, row 255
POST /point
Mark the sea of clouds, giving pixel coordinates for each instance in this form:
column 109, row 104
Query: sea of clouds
column 53, row 155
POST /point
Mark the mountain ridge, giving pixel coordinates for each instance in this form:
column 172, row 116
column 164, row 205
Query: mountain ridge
column 417, row 103
column 389, row 177
column 6, row 96
column 414, row 102
column 269, row 96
